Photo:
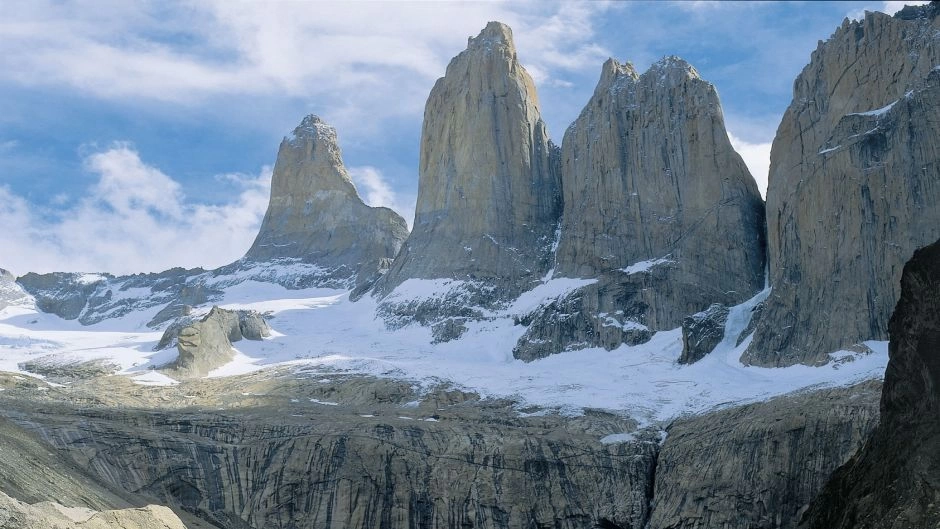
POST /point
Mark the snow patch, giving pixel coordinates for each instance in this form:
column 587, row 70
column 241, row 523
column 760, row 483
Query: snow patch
column 154, row 378
column 646, row 266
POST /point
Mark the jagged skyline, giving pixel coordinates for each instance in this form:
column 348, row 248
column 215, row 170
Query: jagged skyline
column 135, row 130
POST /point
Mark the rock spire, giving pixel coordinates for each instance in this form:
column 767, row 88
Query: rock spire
column 488, row 189
column 315, row 214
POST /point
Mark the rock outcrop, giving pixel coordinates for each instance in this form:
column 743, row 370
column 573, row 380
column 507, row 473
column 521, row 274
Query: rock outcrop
column 657, row 205
column 893, row 482
column 315, row 214
column 15, row 514
column 759, row 465
column 489, row 188
column 853, row 186
column 701, row 332
column 207, row 344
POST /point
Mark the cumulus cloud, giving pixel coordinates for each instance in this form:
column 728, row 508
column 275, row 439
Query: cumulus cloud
column 757, row 158
column 376, row 191
column 134, row 219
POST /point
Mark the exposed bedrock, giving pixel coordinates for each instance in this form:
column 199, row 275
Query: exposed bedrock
column 489, row 193
column 316, row 215
column 893, row 482
column 854, row 186
column 657, row 205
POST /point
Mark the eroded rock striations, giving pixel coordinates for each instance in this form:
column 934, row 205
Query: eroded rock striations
column 893, row 482
column 854, row 186
column 316, row 215
column 761, row 464
column 489, row 189
column 657, row 205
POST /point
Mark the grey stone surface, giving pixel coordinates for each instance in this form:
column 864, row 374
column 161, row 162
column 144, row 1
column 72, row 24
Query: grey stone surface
column 604, row 314
column 759, row 466
column 853, row 187
column 316, row 215
column 893, row 482
column 649, row 176
column 207, row 344
column 489, row 188
column 266, row 461
column 701, row 332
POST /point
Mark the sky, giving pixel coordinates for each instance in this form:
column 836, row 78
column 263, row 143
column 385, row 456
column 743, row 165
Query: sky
column 136, row 136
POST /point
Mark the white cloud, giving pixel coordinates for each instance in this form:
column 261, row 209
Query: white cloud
column 376, row 191
column 757, row 158
column 218, row 47
column 134, row 219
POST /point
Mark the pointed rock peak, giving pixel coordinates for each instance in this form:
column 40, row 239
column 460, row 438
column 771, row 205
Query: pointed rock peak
column 613, row 72
column 673, row 69
column 494, row 34
column 312, row 127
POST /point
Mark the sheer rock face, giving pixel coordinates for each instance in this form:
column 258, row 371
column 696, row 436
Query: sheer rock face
column 316, row 215
column 658, row 206
column 648, row 172
column 892, row 482
column 277, row 456
column 489, row 187
column 854, row 186
column 759, row 465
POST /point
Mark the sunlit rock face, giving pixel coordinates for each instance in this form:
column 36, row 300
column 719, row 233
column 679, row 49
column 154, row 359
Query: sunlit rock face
column 489, row 187
column 315, row 214
column 853, row 189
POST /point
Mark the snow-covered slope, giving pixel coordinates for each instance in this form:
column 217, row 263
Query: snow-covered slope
column 320, row 330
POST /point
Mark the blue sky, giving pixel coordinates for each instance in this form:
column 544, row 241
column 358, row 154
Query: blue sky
column 137, row 136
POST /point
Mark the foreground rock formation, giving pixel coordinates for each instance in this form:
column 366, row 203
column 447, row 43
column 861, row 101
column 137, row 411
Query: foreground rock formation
column 893, row 482
column 289, row 448
column 488, row 183
column 658, row 206
column 316, row 215
column 15, row 514
column 852, row 189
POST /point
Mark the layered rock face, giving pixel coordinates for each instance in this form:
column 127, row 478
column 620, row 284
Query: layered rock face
column 853, row 186
column 488, row 189
column 657, row 205
column 352, row 454
column 759, row 465
column 271, row 451
column 894, row 481
column 315, row 214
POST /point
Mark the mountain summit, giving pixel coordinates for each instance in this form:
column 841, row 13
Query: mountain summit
column 315, row 214
column 488, row 189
